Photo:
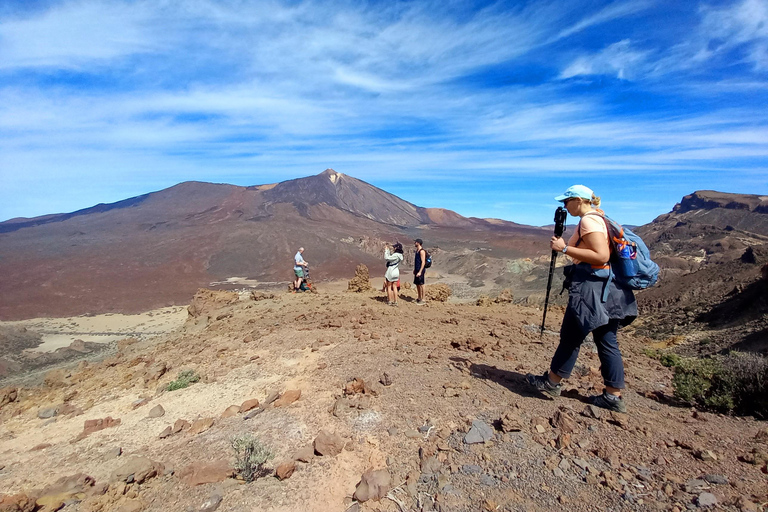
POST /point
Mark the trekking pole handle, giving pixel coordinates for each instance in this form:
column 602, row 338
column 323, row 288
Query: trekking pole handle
column 561, row 214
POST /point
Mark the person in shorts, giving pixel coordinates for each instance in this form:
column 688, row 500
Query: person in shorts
column 418, row 269
column 298, row 269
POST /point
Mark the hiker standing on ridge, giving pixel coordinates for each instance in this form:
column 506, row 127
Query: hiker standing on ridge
column 419, row 270
column 298, row 269
column 392, row 276
column 595, row 303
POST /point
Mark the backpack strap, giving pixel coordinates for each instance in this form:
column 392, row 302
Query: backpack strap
column 607, row 230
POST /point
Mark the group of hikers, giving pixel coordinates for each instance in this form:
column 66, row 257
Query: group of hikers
column 596, row 303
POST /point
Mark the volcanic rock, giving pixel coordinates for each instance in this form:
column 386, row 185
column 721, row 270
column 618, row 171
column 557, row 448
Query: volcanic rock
column 156, row 412
column 137, row 469
column 362, row 280
column 285, row 470
column 200, row 473
column 373, row 485
column 479, row 433
column 328, row 444
column 248, row 405
column 288, row 397
column 200, row 426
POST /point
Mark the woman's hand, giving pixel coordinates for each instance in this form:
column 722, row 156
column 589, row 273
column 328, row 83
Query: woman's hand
column 557, row 243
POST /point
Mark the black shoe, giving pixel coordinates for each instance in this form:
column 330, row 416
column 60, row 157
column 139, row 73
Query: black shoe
column 541, row 384
column 602, row 401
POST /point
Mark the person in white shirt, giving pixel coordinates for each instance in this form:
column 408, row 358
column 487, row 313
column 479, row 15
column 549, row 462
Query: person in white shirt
column 392, row 275
column 298, row 269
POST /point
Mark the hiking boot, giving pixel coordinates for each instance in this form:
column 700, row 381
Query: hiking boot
column 420, row 302
column 541, row 384
column 606, row 401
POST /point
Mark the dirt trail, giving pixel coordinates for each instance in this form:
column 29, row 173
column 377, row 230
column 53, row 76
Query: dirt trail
column 448, row 366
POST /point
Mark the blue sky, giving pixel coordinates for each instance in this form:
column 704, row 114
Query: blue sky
column 487, row 108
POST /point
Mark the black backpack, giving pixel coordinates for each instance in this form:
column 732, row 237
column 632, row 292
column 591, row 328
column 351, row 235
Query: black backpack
column 427, row 259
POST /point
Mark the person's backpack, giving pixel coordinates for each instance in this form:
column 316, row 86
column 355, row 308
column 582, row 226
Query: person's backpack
column 427, row 259
column 630, row 258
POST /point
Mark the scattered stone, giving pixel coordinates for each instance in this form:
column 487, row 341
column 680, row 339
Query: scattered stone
column 212, row 503
column 285, row 470
column 180, row 425
column 305, row 454
column 706, row 499
column 706, row 455
column 716, row 479
column 200, row 426
column 200, row 473
column 248, row 405
column 373, row 485
column 745, row 505
column 479, row 433
column 253, row 413
column 46, row 413
column 761, row 436
column 619, row 418
column 139, row 403
column 563, row 441
column 167, row 431
column 91, row 426
column 113, row 453
column 137, row 469
column 69, row 410
column 385, row 379
column 695, row 485
column 430, row 465
column 592, row 411
column 564, row 421
column 510, row 422
column 288, row 397
column 471, row 469
column 272, row 397
column 17, row 503
column 7, row 396
column 328, row 444
column 412, row 434
column 488, row 481
column 156, row 412
column 581, row 463
column 41, row 446
column 232, row 410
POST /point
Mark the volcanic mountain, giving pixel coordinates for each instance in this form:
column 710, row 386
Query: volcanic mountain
column 712, row 248
column 158, row 248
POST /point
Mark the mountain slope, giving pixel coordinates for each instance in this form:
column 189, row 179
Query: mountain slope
column 158, row 248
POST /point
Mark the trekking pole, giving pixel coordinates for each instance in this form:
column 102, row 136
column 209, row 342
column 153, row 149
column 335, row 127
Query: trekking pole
column 560, row 215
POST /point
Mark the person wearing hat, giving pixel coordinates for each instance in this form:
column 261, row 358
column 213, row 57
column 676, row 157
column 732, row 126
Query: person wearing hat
column 392, row 275
column 595, row 303
column 418, row 270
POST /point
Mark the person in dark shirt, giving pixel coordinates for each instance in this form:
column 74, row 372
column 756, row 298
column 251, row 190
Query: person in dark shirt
column 418, row 270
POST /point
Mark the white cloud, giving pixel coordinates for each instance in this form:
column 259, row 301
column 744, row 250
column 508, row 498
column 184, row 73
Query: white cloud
column 618, row 60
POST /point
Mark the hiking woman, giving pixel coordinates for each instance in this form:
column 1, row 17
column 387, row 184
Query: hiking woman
column 595, row 303
column 393, row 259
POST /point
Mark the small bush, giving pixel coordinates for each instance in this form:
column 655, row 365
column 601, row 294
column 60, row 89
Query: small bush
column 737, row 383
column 670, row 360
column 183, row 380
column 250, row 456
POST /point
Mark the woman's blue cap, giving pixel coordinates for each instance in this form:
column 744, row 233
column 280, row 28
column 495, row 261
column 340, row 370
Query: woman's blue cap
column 576, row 191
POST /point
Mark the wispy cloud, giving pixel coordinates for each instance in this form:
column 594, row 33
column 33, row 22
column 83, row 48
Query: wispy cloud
column 102, row 99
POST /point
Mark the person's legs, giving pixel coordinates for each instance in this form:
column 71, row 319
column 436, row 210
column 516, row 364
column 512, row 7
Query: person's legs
column 611, row 362
column 390, row 299
column 420, row 292
column 393, row 288
column 567, row 350
column 563, row 360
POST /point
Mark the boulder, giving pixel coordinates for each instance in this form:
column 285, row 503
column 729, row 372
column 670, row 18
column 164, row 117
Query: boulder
column 47, row 413
column 17, row 503
column 156, row 412
column 200, row 473
column 328, row 444
column 200, row 426
column 248, row 405
column 373, row 485
column 91, row 426
column 180, row 425
column 137, row 469
column 288, row 397
column 285, row 470
column 232, row 410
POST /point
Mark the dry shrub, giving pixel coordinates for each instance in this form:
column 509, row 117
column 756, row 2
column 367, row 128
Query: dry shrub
column 437, row 292
column 737, row 382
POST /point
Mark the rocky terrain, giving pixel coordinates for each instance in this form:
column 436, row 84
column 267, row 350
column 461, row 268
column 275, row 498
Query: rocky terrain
column 366, row 407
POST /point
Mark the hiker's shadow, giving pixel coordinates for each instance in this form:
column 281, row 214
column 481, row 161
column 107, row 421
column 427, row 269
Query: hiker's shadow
column 516, row 382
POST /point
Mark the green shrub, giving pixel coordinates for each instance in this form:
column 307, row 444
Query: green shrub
column 250, row 456
column 670, row 360
column 183, row 380
column 737, row 383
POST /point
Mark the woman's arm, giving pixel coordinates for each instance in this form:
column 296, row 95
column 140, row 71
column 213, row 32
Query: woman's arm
column 389, row 256
column 592, row 249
